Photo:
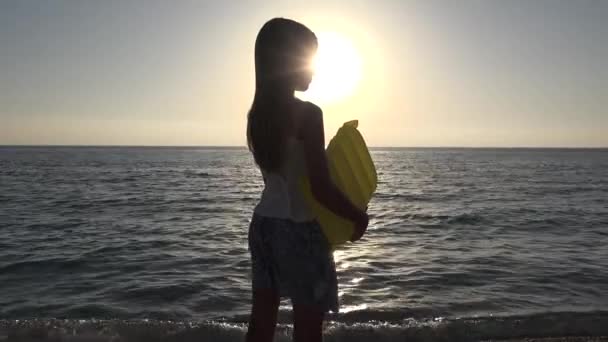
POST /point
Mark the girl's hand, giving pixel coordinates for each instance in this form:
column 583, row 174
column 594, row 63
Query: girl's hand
column 361, row 224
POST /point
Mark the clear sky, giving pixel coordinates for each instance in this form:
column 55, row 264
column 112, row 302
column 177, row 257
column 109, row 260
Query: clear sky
column 432, row 73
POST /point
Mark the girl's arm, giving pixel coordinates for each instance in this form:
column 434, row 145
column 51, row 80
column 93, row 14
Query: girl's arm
column 323, row 189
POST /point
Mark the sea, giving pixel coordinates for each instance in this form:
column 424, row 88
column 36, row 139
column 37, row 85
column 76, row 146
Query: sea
column 150, row 244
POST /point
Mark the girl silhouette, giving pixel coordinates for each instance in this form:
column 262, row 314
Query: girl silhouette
column 290, row 255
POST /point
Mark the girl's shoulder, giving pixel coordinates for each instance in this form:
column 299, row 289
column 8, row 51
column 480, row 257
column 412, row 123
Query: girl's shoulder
column 308, row 118
column 307, row 113
column 306, row 107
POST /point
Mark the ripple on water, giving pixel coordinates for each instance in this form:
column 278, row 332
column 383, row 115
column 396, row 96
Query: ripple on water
column 162, row 233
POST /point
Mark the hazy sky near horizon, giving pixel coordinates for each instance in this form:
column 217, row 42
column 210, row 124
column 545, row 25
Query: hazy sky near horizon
column 433, row 73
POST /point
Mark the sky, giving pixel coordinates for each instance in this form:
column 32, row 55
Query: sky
column 432, row 73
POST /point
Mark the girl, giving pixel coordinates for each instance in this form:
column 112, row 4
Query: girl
column 290, row 255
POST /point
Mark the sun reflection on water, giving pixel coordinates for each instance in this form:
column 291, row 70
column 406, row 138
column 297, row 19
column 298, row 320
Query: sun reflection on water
column 350, row 308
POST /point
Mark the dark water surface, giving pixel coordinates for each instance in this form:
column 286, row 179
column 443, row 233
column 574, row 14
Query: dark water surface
column 125, row 233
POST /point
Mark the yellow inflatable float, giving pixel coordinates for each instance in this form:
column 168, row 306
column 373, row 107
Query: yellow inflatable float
column 353, row 172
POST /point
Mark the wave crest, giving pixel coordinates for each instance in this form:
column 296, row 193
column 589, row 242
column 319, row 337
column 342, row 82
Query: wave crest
column 565, row 324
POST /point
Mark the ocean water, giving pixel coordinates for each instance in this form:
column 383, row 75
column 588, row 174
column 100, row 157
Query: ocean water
column 463, row 244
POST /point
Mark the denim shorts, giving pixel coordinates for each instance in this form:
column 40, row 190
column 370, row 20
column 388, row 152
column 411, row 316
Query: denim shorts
column 294, row 259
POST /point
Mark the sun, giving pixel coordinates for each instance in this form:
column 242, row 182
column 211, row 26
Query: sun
column 337, row 69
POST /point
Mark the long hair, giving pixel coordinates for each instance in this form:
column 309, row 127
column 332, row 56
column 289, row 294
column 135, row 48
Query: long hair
column 280, row 50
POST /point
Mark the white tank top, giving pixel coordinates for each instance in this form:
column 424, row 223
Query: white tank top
column 281, row 197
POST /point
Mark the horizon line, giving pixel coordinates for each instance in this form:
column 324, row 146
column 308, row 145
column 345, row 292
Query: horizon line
column 245, row 147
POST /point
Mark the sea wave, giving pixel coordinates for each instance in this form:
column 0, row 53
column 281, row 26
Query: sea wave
column 568, row 326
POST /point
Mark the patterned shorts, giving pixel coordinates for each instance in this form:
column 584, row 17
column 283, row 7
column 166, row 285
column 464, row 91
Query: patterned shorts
column 295, row 259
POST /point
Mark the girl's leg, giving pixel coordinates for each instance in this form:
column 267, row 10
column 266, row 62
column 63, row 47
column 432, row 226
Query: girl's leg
column 263, row 318
column 308, row 323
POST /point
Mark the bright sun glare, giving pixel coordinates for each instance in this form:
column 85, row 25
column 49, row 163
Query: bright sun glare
column 337, row 66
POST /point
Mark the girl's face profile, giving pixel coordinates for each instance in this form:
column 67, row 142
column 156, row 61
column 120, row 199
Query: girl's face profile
column 304, row 71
